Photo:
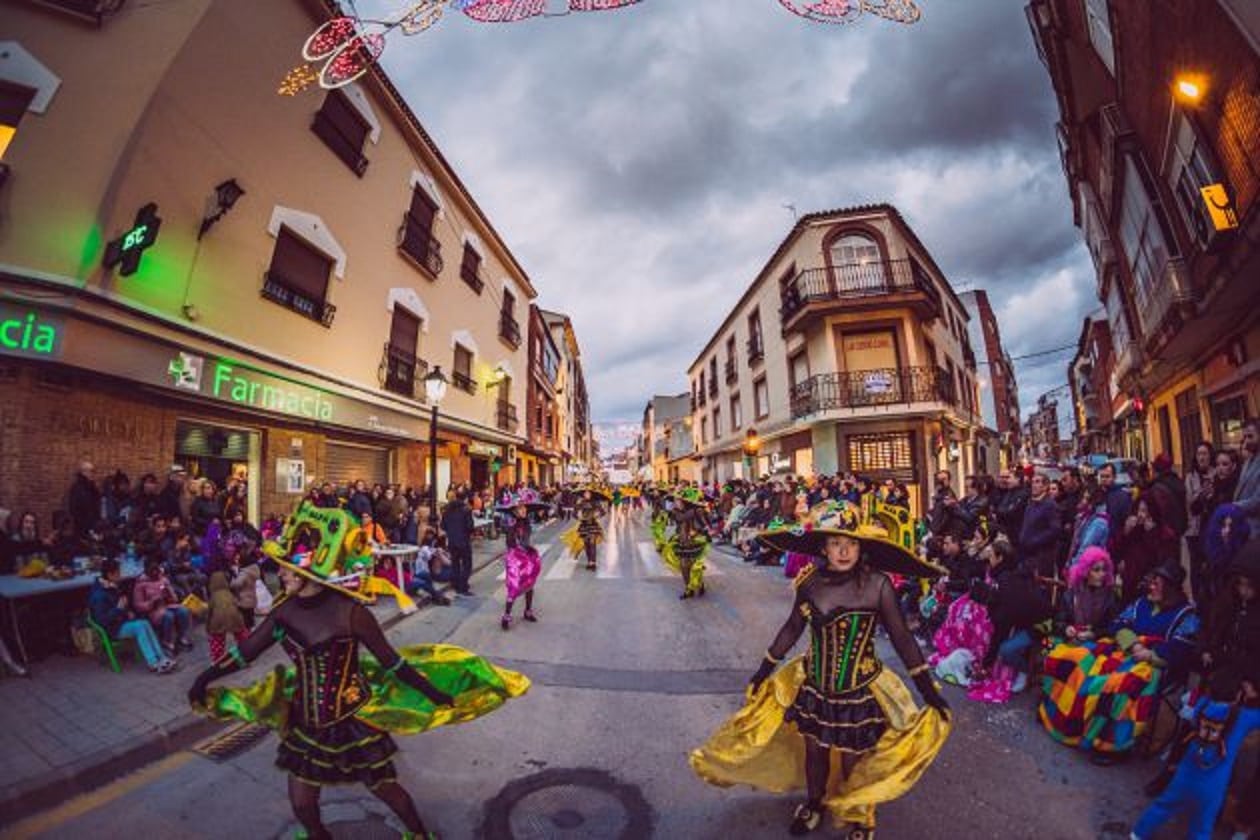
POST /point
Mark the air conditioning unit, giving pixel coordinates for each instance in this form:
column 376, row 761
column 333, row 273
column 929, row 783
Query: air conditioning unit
column 511, row 453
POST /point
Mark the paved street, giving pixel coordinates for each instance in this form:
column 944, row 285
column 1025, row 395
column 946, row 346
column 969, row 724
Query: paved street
column 626, row 680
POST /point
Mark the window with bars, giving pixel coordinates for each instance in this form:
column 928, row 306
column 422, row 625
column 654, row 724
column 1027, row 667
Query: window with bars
column 888, row 455
column 343, row 129
column 461, row 370
column 298, row 277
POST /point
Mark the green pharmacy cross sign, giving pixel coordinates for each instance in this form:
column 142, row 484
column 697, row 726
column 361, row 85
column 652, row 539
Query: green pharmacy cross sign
column 126, row 250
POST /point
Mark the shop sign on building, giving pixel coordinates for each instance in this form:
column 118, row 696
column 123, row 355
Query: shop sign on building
column 25, row 332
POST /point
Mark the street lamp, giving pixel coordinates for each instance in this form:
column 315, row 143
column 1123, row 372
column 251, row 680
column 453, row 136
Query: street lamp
column 1190, row 87
column 434, row 389
column 752, row 444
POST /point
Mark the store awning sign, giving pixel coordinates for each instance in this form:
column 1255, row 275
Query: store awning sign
column 1220, row 208
column 28, row 333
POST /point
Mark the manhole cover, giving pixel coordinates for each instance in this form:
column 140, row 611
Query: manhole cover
column 568, row 805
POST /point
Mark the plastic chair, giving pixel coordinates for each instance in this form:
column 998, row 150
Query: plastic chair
column 108, row 645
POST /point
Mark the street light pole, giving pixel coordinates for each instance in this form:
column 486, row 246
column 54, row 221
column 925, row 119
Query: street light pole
column 434, row 389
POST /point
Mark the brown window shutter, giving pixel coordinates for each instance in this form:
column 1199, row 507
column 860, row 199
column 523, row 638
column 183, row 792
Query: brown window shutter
column 300, row 266
column 423, row 210
column 404, row 331
column 346, row 119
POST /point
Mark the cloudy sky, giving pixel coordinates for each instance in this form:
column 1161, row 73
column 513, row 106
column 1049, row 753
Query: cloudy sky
column 638, row 162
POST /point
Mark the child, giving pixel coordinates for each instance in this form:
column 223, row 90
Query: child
column 224, row 617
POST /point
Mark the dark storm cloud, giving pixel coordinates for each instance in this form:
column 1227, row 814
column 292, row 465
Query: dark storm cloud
column 637, row 162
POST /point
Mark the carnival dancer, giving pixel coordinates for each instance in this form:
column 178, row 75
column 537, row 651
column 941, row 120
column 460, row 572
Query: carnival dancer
column 583, row 537
column 522, row 562
column 660, row 517
column 838, row 698
column 686, row 550
column 334, row 711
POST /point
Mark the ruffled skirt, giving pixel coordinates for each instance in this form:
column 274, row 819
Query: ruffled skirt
column 758, row 747
column 574, row 539
column 852, row 722
column 674, row 554
column 523, row 566
column 359, row 749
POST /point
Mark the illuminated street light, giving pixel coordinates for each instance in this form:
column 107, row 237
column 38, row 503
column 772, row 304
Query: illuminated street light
column 1190, row 88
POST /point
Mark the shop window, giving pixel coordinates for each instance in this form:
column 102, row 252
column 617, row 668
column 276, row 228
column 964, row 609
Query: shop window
column 470, row 268
column 1098, row 19
column 461, row 370
column 298, row 278
column 343, row 129
column 416, row 238
column 883, row 455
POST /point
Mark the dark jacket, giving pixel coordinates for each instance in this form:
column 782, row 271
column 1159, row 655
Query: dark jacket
column 84, row 503
column 1118, row 501
column 203, row 511
column 360, row 503
column 1169, row 495
column 103, row 606
column 168, row 501
column 1107, row 604
column 457, row 524
column 1015, row 602
column 1008, row 510
column 1039, row 536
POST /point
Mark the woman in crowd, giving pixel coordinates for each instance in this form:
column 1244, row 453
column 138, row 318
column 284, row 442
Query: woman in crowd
column 963, row 639
column 687, row 548
column 1106, row 707
column 1143, row 543
column 153, row 598
column 583, row 538
column 523, row 565
column 1198, row 483
column 1089, row 605
column 205, row 507
column 335, row 727
column 838, row 702
column 107, row 604
column 1217, row 492
column 1017, row 605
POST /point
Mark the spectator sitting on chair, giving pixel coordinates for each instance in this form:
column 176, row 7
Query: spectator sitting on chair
column 430, row 563
column 180, row 568
column 153, row 597
column 108, row 607
column 1016, row 605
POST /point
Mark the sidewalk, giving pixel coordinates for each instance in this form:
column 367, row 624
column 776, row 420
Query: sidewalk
column 77, row 725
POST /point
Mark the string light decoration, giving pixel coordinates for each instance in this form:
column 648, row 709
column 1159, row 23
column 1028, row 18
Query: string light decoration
column 349, row 45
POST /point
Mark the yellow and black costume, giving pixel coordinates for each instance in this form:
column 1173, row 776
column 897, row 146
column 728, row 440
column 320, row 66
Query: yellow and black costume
column 838, row 698
column 685, row 551
column 587, row 534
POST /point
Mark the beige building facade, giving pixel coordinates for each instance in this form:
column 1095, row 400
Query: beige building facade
column 283, row 331
column 578, row 456
column 848, row 352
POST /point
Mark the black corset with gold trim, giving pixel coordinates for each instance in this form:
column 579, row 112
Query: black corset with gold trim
column 841, row 653
column 330, row 686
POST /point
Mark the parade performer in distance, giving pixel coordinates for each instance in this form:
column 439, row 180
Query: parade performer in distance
column 660, row 517
column 583, row 537
column 685, row 551
column 522, row 562
column 335, row 711
column 838, row 701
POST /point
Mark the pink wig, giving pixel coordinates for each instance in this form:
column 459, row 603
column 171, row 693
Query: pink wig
column 1078, row 574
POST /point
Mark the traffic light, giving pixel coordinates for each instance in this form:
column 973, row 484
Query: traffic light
column 1139, row 406
column 126, row 250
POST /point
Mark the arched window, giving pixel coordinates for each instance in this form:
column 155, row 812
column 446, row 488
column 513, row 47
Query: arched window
column 857, row 263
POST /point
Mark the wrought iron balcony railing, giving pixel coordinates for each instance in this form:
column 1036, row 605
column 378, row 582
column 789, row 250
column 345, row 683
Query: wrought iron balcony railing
column 279, row 290
column 855, row 281
column 732, row 373
column 402, row 373
column 464, row 382
column 509, row 330
column 505, row 416
column 472, row 277
column 417, row 243
column 862, row 388
column 756, row 349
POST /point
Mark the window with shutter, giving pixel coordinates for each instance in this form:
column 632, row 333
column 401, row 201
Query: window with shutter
column 343, row 130
column 461, row 371
column 470, row 268
column 416, row 239
column 401, row 366
column 298, row 277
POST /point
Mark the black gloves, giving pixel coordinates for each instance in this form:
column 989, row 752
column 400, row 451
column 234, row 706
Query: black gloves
column 930, row 694
column 763, row 672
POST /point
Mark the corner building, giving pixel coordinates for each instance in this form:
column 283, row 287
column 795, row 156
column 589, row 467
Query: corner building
column 848, row 352
column 283, row 332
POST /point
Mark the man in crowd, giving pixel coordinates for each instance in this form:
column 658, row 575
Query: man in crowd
column 1116, row 499
column 1247, row 496
column 171, row 499
column 1039, row 536
column 1009, row 507
column 1071, row 489
column 1169, row 494
column 85, row 499
column 457, row 524
column 360, row 501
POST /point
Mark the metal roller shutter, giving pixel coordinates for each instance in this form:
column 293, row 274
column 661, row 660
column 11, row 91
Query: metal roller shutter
column 345, row 462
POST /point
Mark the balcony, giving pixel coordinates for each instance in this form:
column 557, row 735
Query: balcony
column 464, row 382
column 419, row 246
column 713, row 387
column 756, row 350
column 510, row 331
column 732, row 372
column 1162, row 309
column 279, row 290
column 341, row 146
column 470, row 275
column 856, row 287
column 872, row 388
column 402, row 373
column 505, row 417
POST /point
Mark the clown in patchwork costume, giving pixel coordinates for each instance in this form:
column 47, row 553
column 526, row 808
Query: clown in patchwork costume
column 686, row 550
column 835, row 722
column 335, row 709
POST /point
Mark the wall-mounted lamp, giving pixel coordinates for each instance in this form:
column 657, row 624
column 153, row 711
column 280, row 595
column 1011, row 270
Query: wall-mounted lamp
column 225, row 195
column 497, row 378
column 1190, row 88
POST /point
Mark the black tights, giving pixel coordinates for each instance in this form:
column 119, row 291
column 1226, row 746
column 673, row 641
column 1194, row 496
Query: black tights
column 529, row 603
column 818, row 768
column 589, row 545
column 304, row 798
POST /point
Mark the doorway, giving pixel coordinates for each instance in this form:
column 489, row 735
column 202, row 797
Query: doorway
column 220, row 454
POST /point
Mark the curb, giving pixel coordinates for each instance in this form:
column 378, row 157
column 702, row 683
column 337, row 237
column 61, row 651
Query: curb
column 55, row 787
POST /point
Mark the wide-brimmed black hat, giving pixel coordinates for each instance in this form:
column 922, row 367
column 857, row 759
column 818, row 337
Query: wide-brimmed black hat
column 835, row 518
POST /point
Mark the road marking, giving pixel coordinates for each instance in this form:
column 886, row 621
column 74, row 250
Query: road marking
column 611, row 566
column 564, row 567
column 94, row 800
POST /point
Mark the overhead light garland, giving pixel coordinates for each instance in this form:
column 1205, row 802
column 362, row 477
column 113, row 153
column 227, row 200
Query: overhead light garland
column 344, row 48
